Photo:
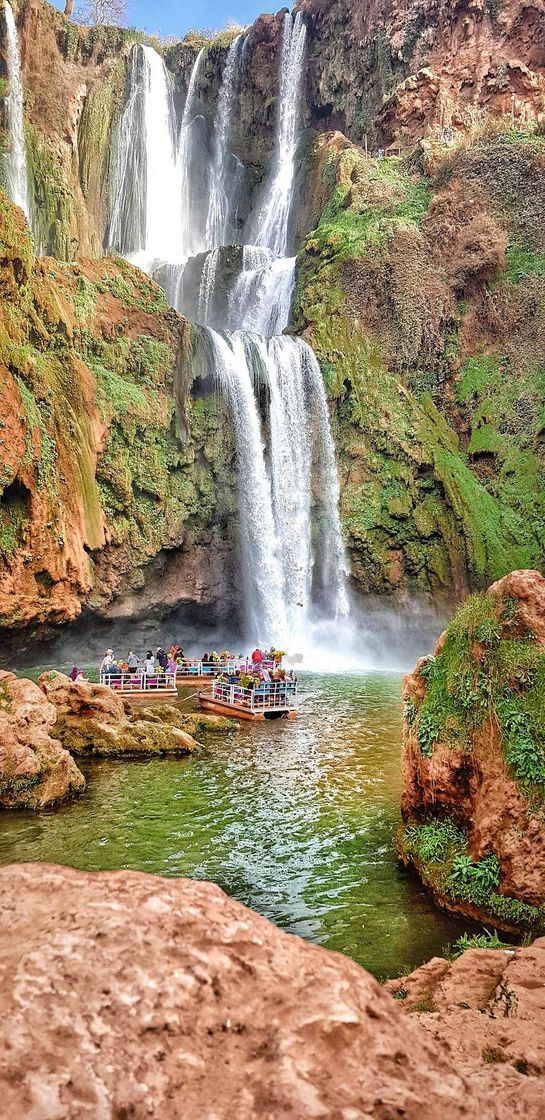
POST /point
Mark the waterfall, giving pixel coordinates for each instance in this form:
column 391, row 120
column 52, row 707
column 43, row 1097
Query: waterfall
column 260, row 300
column 16, row 166
column 262, row 578
column 223, row 193
column 270, row 222
column 145, row 223
column 175, row 207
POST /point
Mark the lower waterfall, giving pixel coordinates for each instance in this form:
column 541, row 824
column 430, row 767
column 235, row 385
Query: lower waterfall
column 290, row 532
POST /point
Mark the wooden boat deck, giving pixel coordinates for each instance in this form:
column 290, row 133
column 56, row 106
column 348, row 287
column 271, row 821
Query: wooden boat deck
column 250, row 704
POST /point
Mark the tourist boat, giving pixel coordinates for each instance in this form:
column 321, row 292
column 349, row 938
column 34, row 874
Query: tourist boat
column 195, row 671
column 277, row 700
column 140, row 684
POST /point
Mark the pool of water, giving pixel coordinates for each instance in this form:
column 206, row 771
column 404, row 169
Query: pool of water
column 295, row 819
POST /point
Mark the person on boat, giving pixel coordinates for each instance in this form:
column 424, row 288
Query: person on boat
column 107, row 660
column 162, row 658
column 266, row 676
column 81, row 676
column 73, row 674
column 172, row 665
column 113, row 669
column 257, row 657
column 149, row 665
column 132, row 661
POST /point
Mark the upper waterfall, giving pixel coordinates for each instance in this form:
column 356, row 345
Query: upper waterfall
column 16, row 164
column 176, row 206
column 145, row 215
column 269, row 225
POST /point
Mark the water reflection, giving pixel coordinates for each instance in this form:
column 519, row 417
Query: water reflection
column 296, row 820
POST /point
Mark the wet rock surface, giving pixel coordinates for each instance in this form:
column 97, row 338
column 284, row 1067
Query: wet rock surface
column 127, row 995
column 92, row 719
column 35, row 770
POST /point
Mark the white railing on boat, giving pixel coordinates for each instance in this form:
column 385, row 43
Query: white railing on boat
column 278, row 695
column 139, row 682
column 194, row 667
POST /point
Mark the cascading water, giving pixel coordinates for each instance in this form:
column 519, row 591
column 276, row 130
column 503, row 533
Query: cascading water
column 224, row 186
column 145, row 220
column 16, row 165
column 269, row 225
column 292, row 553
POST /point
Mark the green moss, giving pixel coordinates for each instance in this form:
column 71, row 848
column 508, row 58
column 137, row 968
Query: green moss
column 522, row 262
column 440, row 850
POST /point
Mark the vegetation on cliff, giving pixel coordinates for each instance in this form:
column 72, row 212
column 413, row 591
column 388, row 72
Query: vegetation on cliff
column 106, row 459
column 415, row 291
column 474, row 758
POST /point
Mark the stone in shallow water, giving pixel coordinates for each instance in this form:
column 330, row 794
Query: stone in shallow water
column 35, row 770
column 91, row 719
column 129, row 995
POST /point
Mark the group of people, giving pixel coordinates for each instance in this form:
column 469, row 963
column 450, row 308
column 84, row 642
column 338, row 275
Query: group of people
column 264, row 670
column 151, row 665
column 261, row 666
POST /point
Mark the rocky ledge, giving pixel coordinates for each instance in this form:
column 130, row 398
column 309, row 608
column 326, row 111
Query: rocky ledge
column 129, row 995
column 42, row 725
column 474, row 759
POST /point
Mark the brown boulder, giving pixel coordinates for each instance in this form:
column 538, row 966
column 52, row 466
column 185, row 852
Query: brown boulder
column 35, row 770
column 488, row 1009
column 466, row 774
column 128, row 995
column 92, row 719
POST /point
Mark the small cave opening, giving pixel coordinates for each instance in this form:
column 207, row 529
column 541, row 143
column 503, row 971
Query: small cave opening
column 15, row 494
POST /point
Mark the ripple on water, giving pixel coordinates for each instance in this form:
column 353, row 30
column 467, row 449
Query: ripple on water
column 294, row 819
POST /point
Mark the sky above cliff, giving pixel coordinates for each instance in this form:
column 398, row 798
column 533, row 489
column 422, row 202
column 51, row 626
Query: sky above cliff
column 170, row 17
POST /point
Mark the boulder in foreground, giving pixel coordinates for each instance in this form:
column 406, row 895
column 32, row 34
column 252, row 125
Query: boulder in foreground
column 35, row 770
column 126, row 995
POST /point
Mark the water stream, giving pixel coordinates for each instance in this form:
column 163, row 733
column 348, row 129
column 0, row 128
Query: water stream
column 297, row 821
column 16, row 165
column 292, row 554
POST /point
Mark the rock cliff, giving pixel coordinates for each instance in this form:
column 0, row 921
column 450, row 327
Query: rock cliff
column 170, row 997
column 116, row 481
column 474, row 759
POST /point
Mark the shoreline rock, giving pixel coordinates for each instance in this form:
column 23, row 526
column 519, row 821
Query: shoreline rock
column 93, row 720
column 35, row 769
column 172, row 999
column 474, row 761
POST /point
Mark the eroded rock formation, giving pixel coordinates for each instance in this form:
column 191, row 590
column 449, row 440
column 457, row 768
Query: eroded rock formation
column 35, row 770
column 487, row 1009
column 91, row 719
column 474, row 758
column 172, row 998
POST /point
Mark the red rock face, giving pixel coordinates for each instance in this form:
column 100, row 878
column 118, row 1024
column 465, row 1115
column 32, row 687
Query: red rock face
column 410, row 68
column 127, row 995
column 488, row 1009
column 476, row 788
column 35, row 770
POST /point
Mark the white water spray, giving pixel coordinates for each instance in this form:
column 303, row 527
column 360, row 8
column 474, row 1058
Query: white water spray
column 16, row 165
column 224, row 186
column 145, row 221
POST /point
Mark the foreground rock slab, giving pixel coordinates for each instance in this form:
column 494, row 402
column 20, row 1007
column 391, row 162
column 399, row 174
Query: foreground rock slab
column 92, row 719
column 488, row 1009
column 126, row 995
column 35, row 770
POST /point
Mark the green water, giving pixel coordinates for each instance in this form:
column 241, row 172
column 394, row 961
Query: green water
column 295, row 819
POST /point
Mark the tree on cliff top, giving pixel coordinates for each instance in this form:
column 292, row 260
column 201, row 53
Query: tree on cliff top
column 99, row 11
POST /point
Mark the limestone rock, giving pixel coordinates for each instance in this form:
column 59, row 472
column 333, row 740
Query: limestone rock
column 35, row 770
column 128, row 995
column 488, row 1008
column 92, row 719
column 472, row 761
